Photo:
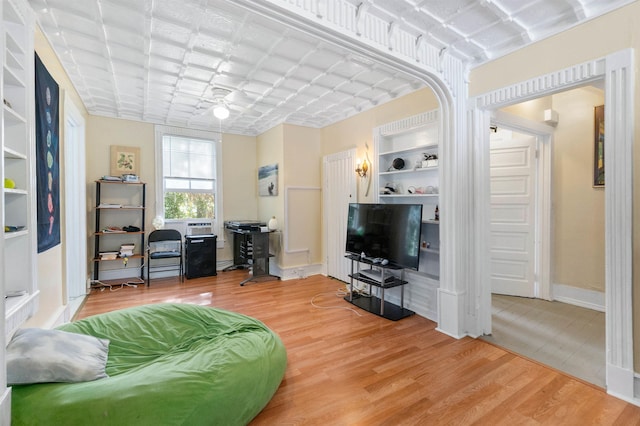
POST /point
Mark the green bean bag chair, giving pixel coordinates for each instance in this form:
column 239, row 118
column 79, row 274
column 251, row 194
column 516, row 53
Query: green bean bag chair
column 167, row 364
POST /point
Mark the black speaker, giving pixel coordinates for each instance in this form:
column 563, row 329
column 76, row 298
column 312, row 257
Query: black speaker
column 200, row 256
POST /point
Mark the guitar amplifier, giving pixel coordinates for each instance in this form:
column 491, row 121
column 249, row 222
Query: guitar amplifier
column 200, row 256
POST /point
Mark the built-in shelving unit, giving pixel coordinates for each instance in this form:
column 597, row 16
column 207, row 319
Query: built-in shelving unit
column 18, row 237
column 119, row 205
column 408, row 173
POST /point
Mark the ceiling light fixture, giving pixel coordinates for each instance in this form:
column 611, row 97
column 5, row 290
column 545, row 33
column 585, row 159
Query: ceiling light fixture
column 221, row 111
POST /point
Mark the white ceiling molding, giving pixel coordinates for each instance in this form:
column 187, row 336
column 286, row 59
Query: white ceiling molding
column 158, row 60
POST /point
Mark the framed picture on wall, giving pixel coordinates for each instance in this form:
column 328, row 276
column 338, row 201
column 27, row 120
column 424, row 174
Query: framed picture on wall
column 598, row 153
column 125, row 160
column 268, row 180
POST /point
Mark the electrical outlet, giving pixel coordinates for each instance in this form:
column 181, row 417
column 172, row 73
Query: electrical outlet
column 300, row 273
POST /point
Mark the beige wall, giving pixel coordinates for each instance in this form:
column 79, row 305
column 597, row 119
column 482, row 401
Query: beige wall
column 597, row 38
column 577, row 207
column 356, row 131
column 302, row 170
column 270, row 150
column 238, row 169
column 102, row 132
column 239, row 177
column 51, row 275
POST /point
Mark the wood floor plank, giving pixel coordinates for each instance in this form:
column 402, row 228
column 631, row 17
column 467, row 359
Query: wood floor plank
column 350, row 367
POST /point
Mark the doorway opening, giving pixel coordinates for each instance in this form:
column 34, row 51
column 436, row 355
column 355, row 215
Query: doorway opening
column 539, row 184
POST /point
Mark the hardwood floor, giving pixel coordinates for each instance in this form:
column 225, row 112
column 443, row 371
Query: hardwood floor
column 350, row 367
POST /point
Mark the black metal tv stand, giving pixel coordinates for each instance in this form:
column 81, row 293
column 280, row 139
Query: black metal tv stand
column 382, row 281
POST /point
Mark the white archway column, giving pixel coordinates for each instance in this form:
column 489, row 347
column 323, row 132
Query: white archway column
column 456, row 214
column 618, row 162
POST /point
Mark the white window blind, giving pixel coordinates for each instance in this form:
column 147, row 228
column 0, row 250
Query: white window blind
column 189, row 165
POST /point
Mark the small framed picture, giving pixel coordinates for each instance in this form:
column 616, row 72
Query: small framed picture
column 598, row 152
column 268, row 180
column 125, row 160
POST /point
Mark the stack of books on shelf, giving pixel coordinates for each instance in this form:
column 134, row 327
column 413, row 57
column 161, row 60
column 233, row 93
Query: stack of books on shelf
column 108, row 255
column 126, row 250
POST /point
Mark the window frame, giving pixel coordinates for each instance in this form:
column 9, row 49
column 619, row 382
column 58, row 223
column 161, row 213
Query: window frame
column 216, row 139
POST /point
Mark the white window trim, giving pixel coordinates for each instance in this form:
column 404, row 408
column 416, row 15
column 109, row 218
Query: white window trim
column 216, row 137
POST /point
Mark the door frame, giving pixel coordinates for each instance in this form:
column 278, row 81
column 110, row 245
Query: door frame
column 329, row 214
column 75, row 195
column 618, row 71
column 542, row 234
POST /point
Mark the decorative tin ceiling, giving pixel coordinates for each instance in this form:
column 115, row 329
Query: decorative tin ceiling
column 159, row 60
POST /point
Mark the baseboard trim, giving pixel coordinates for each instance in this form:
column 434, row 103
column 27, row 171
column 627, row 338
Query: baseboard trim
column 621, row 383
column 590, row 299
column 296, row 272
column 450, row 311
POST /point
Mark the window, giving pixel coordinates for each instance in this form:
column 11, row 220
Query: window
column 189, row 177
column 187, row 181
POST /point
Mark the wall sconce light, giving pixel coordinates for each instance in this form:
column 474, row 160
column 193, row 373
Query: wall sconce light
column 361, row 170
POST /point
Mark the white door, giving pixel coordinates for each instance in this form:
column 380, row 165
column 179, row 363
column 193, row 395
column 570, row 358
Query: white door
column 340, row 190
column 513, row 219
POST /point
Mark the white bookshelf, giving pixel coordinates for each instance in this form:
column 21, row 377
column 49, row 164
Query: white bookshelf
column 18, row 236
column 410, row 140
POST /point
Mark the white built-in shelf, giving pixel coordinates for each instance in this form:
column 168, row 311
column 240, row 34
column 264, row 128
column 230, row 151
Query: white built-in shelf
column 13, row 154
column 11, row 78
column 407, row 195
column 18, row 310
column 424, row 147
column 409, row 139
column 15, row 191
column 414, row 170
column 17, row 234
column 11, row 116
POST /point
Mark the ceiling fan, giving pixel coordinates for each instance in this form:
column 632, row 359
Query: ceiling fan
column 219, row 105
column 220, row 108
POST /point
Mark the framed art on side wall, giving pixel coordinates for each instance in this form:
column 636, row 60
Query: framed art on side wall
column 268, row 180
column 598, row 153
column 125, row 160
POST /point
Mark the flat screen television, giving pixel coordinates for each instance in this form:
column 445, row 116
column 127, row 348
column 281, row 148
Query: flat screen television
column 388, row 231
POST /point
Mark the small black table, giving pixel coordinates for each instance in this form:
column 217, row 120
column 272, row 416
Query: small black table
column 251, row 250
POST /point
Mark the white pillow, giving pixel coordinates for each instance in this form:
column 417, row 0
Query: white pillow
column 37, row 355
